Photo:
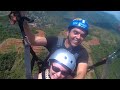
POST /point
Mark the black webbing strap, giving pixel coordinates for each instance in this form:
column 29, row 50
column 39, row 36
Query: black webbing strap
column 43, row 75
column 26, row 49
column 108, row 59
column 26, row 43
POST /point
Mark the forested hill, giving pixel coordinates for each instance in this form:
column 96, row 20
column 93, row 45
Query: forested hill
column 61, row 18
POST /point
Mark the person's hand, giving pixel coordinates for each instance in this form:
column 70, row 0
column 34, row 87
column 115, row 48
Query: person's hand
column 14, row 16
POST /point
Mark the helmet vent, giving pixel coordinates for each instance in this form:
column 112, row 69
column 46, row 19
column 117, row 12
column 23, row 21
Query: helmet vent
column 65, row 57
column 71, row 61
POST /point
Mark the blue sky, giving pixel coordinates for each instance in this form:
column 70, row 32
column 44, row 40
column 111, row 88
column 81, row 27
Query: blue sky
column 116, row 13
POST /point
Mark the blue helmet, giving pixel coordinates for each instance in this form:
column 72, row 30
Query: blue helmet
column 79, row 23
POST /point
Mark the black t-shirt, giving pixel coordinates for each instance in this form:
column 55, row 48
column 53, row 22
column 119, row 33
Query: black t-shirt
column 51, row 43
column 83, row 54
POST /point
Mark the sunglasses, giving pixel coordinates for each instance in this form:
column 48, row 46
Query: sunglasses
column 56, row 69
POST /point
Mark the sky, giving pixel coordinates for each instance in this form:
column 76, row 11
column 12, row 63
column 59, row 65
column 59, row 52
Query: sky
column 116, row 13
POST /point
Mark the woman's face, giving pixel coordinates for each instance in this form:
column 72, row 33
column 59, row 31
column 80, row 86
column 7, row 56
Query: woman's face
column 57, row 71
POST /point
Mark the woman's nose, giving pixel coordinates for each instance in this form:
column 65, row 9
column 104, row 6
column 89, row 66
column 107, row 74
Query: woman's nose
column 58, row 73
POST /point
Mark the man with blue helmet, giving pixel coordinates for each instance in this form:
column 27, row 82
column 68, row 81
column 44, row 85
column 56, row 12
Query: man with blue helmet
column 77, row 31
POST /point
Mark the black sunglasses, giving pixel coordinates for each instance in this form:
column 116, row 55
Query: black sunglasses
column 56, row 69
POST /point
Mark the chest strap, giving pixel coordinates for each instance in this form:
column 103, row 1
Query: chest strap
column 45, row 74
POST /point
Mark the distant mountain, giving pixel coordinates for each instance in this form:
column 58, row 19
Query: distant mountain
column 4, row 13
column 115, row 13
column 97, row 18
column 62, row 18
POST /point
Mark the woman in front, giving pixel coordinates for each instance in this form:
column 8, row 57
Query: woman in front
column 61, row 64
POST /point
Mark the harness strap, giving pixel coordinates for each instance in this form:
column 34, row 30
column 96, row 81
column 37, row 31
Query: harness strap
column 45, row 62
column 27, row 48
column 109, row 58
column 27, row 61
column 59, row 42
column 43, row 75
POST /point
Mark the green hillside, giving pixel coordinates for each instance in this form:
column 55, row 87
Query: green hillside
column 7, row 30
column 97, row 18
column 109, row 42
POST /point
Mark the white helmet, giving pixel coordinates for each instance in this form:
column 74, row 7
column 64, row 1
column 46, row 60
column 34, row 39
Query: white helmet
column 65, row 57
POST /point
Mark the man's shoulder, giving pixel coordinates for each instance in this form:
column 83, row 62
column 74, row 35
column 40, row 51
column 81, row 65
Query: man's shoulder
column 83, row 53
column 80, row 48
column 83, row 48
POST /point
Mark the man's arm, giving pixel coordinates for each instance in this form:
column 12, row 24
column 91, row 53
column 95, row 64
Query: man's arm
column 81, row 71
column 34, row 40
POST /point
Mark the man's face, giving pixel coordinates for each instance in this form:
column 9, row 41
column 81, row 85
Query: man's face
column 57, row 71
column 76, row 36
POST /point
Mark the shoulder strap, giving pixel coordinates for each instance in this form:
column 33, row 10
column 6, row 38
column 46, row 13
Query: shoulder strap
column 76, row 55
column 77, row 52
column 43, row 75
column 59, row 42
column 27, row 61
column 58, row 45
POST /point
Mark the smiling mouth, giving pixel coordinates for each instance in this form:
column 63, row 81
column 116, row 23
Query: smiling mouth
column 76, row 41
